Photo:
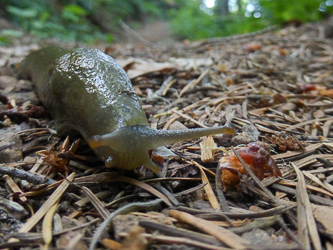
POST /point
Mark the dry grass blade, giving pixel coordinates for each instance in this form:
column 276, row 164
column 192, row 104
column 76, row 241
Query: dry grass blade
column 311, row 147
column 326, row 128
column 14, row 187
column 38, row 236
column 168, row 86
column 301, row 124
column 309, row 187
column 224, row 235
column 101, row 195
column 47, row 225
column 208, row 188
column 143, row 186
column 312, row 159
column 37, row 165
column 219, row 190
column 203, row 168
column 192, row 84
column 146, row 206
column 188, row 118
column 177, row 232
column 47, row 205
column 303, row 204
column 170, row 240
column 96, row 202
column 326, row 186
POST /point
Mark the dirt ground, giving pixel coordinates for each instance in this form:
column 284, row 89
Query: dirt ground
column 157, row 32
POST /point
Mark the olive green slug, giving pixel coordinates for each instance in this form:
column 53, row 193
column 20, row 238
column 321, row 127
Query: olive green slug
column 88, row 91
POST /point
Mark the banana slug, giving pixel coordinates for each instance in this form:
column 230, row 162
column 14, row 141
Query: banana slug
column 88, row 91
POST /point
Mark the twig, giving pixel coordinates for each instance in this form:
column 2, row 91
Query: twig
column 313, row 198
column 147, row 206
column 219, row 190
column 96, row 203
column 24, row 175
column 303, row 203
column 259, row 223
column 39, row 236
column 288, row 231
column 224, row 235
column 241, row 216
column 172, row 231
column 195, row 82
column 142, row 185
column 169, row 195
column 56, row 195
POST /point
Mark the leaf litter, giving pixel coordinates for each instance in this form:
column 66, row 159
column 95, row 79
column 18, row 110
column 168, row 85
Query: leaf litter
column 273, row 86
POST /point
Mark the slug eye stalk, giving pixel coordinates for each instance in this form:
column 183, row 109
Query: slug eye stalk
column 131, row 144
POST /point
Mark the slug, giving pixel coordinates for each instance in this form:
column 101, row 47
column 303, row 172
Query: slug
column 88, row 91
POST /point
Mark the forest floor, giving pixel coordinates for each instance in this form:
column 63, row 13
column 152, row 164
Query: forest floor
column 274, row 87
column 156, row 32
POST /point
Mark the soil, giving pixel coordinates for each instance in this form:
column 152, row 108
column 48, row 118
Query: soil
column 156, row 32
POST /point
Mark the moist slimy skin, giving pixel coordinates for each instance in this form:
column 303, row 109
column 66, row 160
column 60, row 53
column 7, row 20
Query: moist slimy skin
column 88, row 91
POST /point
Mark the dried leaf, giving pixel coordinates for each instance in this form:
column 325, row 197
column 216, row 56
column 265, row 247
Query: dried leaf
column 224, row 235
column 47, row 225
column 208, row 188
column 303, row 203
column 208, row 148
column 47, row 204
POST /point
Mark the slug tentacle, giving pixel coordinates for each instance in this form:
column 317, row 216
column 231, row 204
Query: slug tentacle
column 132, row 143
column 165, row 137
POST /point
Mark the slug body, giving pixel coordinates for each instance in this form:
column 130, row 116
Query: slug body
column 88, row 91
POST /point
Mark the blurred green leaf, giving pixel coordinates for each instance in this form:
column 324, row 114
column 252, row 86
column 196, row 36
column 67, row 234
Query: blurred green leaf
column 4, row 40
column 75, row 9
column 109, row 38
column 23, row 13
column 11, row 33
column 73, row 13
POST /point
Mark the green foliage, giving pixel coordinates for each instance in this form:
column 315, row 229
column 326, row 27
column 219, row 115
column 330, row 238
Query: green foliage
column 79, row 20
column 189, row 21
column 6, row 35
column 90, row 21
column 66, row 22
column 192, row 23
column 73, row 13
column 294, row 10
column 22, row 13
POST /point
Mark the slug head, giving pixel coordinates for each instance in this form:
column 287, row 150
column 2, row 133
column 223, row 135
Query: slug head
column 128, row 146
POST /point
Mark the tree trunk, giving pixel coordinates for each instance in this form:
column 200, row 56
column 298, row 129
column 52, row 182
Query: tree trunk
column 222, row 7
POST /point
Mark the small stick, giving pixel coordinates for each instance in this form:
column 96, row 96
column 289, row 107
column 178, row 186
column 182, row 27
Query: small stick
column 219, row 190
column 148, row 206
column 24, row 175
